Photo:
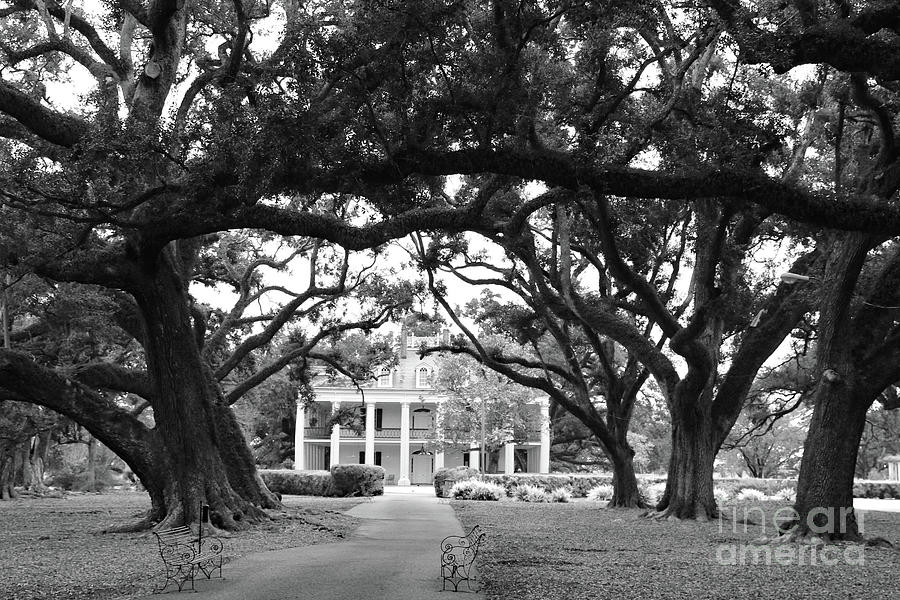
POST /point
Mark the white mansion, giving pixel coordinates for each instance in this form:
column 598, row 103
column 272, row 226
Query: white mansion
column 399, row 411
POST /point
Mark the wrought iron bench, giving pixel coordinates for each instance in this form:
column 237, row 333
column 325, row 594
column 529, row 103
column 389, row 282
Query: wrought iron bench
column 187, row 554
column 458, row 556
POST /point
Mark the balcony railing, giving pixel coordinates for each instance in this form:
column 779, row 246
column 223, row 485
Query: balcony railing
column 317, row 432
column 390, row 433
column 385, row 433
column 346, row 432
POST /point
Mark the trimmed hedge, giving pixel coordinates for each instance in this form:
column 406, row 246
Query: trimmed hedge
column 342, row 480
column 299, row 483
column 446, row 477
column 581, row 484
column 322, row 483
column 876, row 489
column 358, row 480
column 733, row 486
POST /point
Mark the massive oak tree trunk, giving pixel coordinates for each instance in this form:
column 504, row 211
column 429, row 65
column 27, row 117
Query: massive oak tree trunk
column 203, row 459
column 856, row 361
column 825, row 487
column 689, row 486
column 208, row 458
column 626, row 493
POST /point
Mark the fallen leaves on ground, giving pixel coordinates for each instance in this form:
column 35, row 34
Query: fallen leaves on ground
column 53, row 548
column 582, row 551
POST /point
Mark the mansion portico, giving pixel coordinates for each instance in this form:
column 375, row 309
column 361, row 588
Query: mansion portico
column 400, row 408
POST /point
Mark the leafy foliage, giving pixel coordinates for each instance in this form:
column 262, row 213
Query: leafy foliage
column 476, row 489
column 476, row 400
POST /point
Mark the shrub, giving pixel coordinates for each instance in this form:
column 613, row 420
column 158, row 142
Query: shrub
column 562, row 494
column 531, row 493
column 299, row 483
column 578, row 484
column 652, row 492
column 766, row 486
column 751, row 495
column 600, row 493
column 475, row 489
column 445, row 478
column 785, row 494
column 358, row 480
column 876, row 489
column 721, row 495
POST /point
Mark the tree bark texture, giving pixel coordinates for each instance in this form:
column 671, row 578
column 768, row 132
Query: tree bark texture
column 208, row 456
column 850, row 379
column 626, row 493
column 825, row 486
column 689, row 486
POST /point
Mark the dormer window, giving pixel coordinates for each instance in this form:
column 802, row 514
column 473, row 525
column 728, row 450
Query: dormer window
column 423, row 377
column 384, row 378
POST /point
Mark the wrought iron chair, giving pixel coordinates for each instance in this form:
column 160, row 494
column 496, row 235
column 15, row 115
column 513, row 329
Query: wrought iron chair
column 186, row 554
column 458, row 557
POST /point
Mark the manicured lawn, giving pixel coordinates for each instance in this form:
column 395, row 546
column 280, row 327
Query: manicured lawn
column 580, row 551
column 52, row 548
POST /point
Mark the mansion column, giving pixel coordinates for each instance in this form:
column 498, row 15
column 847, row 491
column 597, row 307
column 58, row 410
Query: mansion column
column 509, row 458
column 404, row 444
column 545, row 437
column 438, row 428
column 335, row 437
column 299, row 437
column 370, row 433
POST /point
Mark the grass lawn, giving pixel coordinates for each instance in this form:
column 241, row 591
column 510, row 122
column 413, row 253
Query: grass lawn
column 579, row 551
column 53, row 548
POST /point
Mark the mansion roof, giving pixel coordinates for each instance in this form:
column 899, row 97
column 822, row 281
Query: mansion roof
column 410, row 373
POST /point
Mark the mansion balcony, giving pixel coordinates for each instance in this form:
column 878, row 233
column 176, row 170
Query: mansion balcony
column 396, row 424
column 388, row 433
column 384, row 433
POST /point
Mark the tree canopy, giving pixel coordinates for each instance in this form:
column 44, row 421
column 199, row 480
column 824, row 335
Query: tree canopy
column 338, row 126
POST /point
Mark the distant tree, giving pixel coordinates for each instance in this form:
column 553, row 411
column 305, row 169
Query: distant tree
column 478, row 401
column 422, row 324
column 880, row 438
column 24, row 441
column 767, row 450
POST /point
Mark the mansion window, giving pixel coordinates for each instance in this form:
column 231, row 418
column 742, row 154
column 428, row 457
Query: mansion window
column 384, row 378
column 423, row 377
column 362, row 458
column 379, row 416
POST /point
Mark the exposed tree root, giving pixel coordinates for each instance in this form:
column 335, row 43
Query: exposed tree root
column 670, row 513
column 803, row 535
column 631, row 504
column 174, row 518
column 145, row 523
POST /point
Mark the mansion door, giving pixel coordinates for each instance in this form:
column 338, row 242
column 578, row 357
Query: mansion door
column 421, row 469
